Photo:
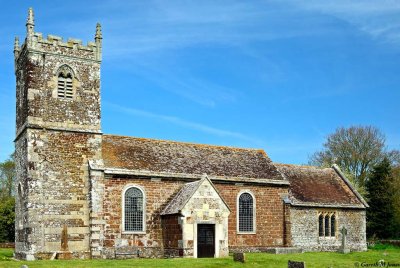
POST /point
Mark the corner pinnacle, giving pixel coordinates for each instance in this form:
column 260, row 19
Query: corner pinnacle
column 98, row 32
column 30, row 20
column 30, row 23
column 16, row 43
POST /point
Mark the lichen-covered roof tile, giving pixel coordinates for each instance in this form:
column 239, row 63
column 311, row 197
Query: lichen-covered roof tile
column 317, row 185
column 180, row 199
column 179, row 157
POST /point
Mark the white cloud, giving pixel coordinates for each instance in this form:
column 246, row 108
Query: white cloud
column 184, row 123
column 379, row 19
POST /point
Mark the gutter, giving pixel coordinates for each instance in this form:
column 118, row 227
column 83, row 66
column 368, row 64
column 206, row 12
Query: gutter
column 152, row 174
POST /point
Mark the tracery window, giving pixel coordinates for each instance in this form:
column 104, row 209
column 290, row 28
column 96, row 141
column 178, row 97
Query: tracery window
column 333, row 225
column 246, row 219
column 64, row 84
column 327, row 224
column 327, row 221
column 134, row 210
column 321, row 225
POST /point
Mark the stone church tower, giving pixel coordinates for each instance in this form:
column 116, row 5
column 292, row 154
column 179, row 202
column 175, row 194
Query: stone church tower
column 57, row 131
column 84, row 194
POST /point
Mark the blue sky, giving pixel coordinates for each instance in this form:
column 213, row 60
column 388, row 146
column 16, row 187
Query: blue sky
column 276, row 75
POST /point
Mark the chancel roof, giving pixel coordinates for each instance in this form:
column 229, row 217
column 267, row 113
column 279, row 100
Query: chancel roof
column 320, row 187
column 152, row 155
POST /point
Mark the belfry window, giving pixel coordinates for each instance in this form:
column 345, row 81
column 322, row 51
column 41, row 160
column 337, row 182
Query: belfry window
column 64, row 83
column 246, row 213
column 134, row 210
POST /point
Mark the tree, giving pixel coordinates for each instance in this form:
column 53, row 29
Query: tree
column 7, row 219
column 396, row 198
column 380, row 214
column 7, row 177
column 7, row 200
column 355, row 149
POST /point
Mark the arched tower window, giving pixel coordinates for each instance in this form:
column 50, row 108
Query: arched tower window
column 246, row 213
column 134, row 210
column 321, row 225
column 64, row 84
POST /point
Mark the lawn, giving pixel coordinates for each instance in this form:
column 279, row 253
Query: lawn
column 319, row 259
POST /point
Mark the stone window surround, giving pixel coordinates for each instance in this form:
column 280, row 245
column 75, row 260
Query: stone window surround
column 254, row 212
column 329, row 214
column 65, row 70
column 128, row 186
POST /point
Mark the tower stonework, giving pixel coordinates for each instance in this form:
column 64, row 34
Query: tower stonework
column 82, row 194
column 57, row 132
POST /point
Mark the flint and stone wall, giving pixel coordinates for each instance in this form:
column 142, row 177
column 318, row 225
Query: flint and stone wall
column 55, row 138
column 304, row 229
column 55, row 193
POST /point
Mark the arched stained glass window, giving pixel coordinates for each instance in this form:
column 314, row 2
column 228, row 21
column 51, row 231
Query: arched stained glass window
column 246, row 213
column 134, row 210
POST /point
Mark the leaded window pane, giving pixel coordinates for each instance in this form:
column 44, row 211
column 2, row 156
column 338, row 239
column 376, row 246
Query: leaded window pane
column 333, row 225
column 321, row 225
column 246, row 217
column 327, row 225
column 133, row 210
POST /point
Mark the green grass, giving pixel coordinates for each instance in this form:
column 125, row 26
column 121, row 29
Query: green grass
column 315, row 259
column 379, row 246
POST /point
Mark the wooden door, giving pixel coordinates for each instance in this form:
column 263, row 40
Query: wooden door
column 205, row 240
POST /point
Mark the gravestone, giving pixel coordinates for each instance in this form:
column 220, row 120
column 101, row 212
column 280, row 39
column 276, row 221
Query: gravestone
column 344, row 248
column 296, row 264
column 239, row 256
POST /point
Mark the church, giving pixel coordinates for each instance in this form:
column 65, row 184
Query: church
column 81, row 193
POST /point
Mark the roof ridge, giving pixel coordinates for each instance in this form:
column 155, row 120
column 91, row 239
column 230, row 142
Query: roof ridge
column 300, row 166
column 190, row 143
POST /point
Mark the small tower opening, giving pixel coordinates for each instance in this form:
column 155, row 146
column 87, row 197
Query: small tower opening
column 64, row 85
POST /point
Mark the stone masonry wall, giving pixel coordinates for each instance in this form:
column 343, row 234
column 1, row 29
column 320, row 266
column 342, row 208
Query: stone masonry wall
column 205, row 207
column 172, row 234
column 56, row 192
column 269, row 216
column 38, row 104
column 54, row 141
column 157, row 193
column 22, row 244
column 304, row 228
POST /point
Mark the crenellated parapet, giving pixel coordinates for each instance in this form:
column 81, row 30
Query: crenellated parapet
column 36, row 43
column 58, row 116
